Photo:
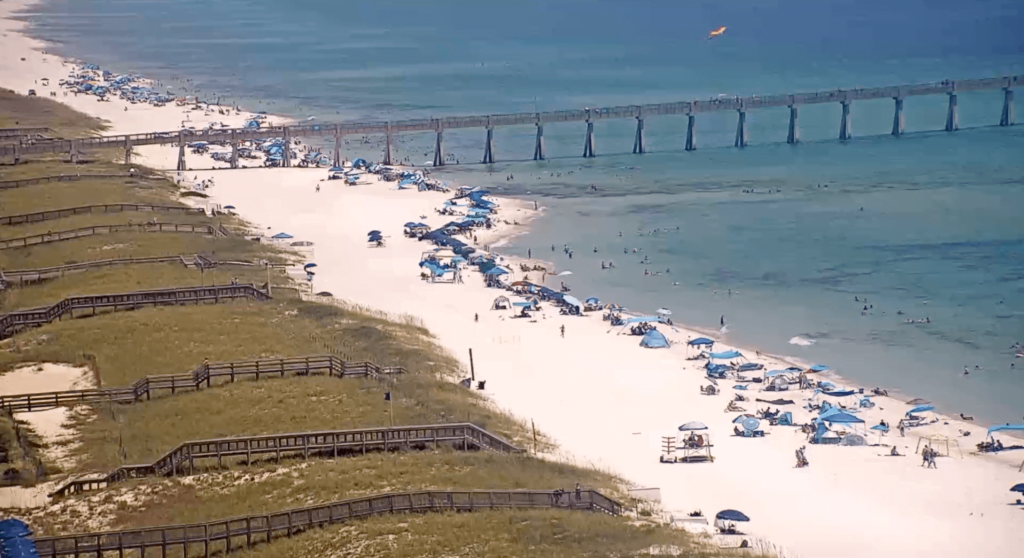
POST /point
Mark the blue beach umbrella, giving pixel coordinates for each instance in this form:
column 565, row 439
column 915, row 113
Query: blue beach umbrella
column 732, row 515
column 1018, row 488
column 309, row 265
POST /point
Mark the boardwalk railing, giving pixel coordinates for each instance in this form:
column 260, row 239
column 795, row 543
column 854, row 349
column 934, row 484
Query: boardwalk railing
column 6, row 133
column 22, row 276
column 207, row 373
column 15, row 321
column 99, row 208
column 182, row 459
column 237, row 533
column 57, row 236
column 10, row 184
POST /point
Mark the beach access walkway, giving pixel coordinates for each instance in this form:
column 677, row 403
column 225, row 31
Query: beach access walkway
column 13, row 322
column 59, row 236
column 324, row 443
column 11, row 184
column 23, row 277
column 239, row 533
column 40, row 216
column 208, row 374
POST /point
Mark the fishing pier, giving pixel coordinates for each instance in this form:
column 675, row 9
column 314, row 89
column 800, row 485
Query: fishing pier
column 741, row 105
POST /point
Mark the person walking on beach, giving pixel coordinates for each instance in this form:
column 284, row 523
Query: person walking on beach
column 529, row 253
column 902, row 430
column 476, row 317
column 562, row 328
column 317, row 188
column 721, row 321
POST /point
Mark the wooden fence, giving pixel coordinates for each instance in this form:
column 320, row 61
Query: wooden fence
column 13, row 322
column 328, row 444
column 207, row 373
column 22, row 276
column 239, row 533
column 39, row 216
column 57, row 236
column 9, row 184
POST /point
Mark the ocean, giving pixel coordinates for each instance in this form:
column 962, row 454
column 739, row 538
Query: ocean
column 775, row 238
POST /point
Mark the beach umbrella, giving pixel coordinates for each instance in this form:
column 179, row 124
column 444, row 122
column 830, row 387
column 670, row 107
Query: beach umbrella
column 229, row 207
column 880, row 428
column 309, row 265
column 1018, row 488
column 663, row 311
column 693, row 425
column 282, row 235
column 411, row 224
column 918, row 401
column 371, row 233
column 732, row 515
column 564, row 273
column 324, row 293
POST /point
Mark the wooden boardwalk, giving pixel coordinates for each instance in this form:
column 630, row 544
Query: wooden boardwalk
column 40, row 216
column 326, row 444
column 14, row 322
column 238, row 533
column 207, row 374
column 11, row 184
column 58, row 236
column 28, row 276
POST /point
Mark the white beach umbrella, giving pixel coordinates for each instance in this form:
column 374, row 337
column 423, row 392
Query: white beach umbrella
column 564, row 273
column 664, row 311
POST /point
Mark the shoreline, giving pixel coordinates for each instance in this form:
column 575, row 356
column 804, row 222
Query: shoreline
column 608, row 403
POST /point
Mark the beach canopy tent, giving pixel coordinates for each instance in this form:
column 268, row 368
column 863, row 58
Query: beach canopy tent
column 282, row 236
column 592, row 300
column 920, row 409
column 693, row 425
column 880, row 428
column 700, row 342
column 818, row 368
column 654, row 339
column 496, row 270
column 840, row 417
column 571, row 300
column 359, row 163
column 726, row 355
column 1002, row 427
column 500, row 303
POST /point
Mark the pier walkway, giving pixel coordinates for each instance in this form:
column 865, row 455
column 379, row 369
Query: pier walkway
column 845, row 97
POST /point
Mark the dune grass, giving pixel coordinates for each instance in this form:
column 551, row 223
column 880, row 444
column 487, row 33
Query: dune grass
column 19, row 111
column 125, row 346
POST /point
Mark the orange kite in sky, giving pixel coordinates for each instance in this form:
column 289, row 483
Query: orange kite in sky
column 716, row 32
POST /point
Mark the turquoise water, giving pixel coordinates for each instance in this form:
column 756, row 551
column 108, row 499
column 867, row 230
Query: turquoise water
column 940, row 235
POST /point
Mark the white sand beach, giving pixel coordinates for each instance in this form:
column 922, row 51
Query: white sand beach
column 605, row 400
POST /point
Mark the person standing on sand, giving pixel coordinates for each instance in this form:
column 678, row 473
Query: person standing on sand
column 476, row 317
column 317, row 188
column 562, row 328
column 529, row 253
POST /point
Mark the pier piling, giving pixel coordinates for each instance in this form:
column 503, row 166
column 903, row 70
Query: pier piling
column 181, row 151
column 1007, row 117
column 538, row 149
column 741, row 129
column 387, row 145
column 794, row 131
column 489, row 148
column 127, row 151
column 952, row 119
column 337, row 146
column 588, row 142
column 897, row 117
column 691, row 136
column 844, row 124
column 287, row 152
column 638, row 141
column 439, row 148
column 234, row 150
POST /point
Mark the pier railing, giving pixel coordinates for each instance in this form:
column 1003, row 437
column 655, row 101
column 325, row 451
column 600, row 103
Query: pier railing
column 13, row 322
column 226, row 535
column 208, row 374
column 58, row 236
column 39, row 216
column 693, row 107
column 183, row 458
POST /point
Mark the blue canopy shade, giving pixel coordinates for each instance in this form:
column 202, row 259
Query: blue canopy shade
column 1005, row 427
column 840, row 417
column 700, row 342
column 726, row 354
column 373, row 232
column 375, row 237
column 732, row 515
column 410, row 224
column 593, row 300
column 921, row 409
column 497, row 270
column 282, row 236
column 880, row 428
column 654, row 339
column 571, row 300
column 309, row 265
column 819, row 368
column 1016, row 488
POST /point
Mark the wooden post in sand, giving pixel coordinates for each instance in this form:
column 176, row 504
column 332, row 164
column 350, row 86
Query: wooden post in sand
column 472, row 370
